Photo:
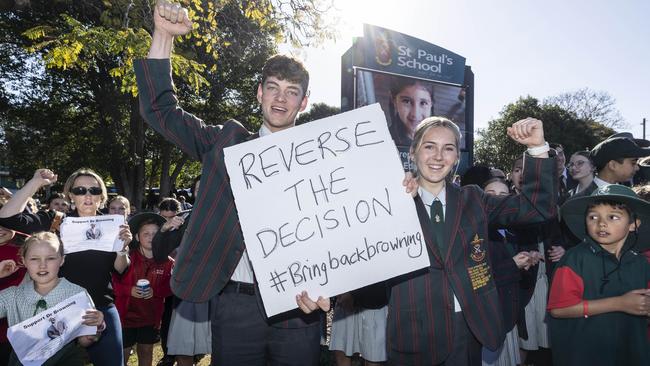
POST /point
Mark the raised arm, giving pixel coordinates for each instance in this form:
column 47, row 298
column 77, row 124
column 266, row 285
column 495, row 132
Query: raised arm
column 530, row 132
column 158, row 103
column 17, row 203
column 170, row 20
column 538, row 200
column 168, row 238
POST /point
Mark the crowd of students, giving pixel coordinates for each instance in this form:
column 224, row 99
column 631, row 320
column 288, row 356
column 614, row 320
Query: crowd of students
column 563, row 292
column 542, row 266
column 130, row 315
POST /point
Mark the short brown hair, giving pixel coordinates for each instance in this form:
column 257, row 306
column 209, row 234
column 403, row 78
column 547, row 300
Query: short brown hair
column 169, row 204
column 88, row 173
column 286, row 68
column 54, row 196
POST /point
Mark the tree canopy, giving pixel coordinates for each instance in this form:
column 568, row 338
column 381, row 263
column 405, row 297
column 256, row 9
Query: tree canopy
column 590, row 105
column 69, row 96
column 494, row 148
column 316, row 112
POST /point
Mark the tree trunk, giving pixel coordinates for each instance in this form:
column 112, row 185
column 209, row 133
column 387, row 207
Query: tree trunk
column 153, row 174
column 179, row 167
column 137, row 149
column 165, row 165
column 119, row 164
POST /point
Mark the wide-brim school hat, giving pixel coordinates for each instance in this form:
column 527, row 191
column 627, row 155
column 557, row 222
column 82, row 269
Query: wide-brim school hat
column 137, row 220
column 573, row 212
column 616, row 148
column 640, row 142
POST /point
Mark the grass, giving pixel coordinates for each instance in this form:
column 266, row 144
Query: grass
column 158, row 354
column 326, row 358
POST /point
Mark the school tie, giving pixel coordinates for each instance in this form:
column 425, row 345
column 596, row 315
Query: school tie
column 40, row 304
column 437, row 224
column 563, row 193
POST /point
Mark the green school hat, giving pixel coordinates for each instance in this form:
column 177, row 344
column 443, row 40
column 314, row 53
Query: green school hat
column 138, row 220
column 574, row 210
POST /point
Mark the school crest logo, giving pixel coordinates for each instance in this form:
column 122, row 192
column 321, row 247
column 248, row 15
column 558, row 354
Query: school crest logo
column 478, row 253
column 383, row 48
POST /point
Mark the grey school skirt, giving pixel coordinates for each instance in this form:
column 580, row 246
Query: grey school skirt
column 189, row 330
column 361, row 331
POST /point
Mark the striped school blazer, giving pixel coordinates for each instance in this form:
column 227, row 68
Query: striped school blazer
column 421, row 307
column 213, row 242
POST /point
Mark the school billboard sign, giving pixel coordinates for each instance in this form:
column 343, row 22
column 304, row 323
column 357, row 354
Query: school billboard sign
column 411, row 79
column 398, row 53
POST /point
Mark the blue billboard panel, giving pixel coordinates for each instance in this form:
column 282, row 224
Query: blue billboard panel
column 393, row 52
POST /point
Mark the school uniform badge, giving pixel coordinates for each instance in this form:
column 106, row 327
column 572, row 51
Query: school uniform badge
column 479, row 274
column 478, row 252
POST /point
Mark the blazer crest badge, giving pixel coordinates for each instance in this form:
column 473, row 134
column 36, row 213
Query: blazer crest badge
column 478, row 252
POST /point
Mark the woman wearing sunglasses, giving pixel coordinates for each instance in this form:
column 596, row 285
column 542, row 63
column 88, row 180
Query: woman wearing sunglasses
column 90, row 269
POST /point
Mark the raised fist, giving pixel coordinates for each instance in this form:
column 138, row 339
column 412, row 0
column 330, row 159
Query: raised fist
column 172, row 18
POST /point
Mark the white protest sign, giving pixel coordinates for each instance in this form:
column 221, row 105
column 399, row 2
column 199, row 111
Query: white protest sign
column 92, row 233
column 322, row 208
column 41, row 336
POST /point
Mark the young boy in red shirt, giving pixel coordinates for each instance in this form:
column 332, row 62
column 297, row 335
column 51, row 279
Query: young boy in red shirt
column 141, row 310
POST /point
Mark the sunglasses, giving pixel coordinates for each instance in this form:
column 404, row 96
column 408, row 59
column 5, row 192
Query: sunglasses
column 81, row 191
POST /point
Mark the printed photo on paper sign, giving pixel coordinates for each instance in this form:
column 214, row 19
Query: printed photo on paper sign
column 38, row 338
column 92, row 233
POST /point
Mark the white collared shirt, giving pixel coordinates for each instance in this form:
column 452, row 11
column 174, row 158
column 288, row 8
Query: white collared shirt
column 599, row 182
column 428, row 198
column 244, row 270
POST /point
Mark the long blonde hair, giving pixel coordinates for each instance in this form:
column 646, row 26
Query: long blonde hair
column 426, row 125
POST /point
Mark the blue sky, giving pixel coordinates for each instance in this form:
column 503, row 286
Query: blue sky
column 515, row 48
